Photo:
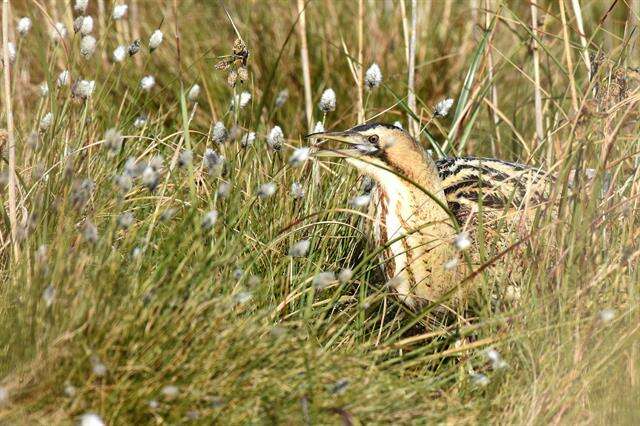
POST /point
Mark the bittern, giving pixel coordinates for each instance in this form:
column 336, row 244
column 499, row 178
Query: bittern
column 419, row 207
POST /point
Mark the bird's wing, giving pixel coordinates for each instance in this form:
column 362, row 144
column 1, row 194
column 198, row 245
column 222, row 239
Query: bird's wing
column 471, row 182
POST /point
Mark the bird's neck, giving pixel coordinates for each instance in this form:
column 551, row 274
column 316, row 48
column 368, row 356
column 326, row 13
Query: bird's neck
column 418, row 230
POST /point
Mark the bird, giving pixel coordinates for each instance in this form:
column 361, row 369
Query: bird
column 425, row 213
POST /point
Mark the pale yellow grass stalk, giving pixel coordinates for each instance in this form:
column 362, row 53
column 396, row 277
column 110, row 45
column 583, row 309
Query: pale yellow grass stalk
column 360, row 65
column 567, row 53
column 577, row 11
column 304, row 59
column 13, row 216
column 536, row 74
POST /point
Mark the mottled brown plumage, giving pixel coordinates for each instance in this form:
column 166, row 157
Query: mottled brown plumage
column 419, row 207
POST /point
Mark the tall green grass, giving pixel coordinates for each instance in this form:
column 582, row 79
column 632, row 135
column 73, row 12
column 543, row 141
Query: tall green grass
column 224, row 314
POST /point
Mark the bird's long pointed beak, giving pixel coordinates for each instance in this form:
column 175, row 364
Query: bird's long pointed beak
column 343, row 137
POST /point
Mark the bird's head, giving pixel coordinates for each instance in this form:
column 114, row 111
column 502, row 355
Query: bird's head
column 376, row 149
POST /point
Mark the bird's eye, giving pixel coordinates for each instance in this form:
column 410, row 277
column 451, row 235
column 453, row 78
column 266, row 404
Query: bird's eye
column 373, row 139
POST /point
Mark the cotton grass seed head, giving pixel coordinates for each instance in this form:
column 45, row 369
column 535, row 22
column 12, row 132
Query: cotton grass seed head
column 147, row 83
column 44, row 89
column 124, row 183
column 327, row 101
column 345, row 275
column 48, row 295
column 241, row 100
column 83, row 89
column 170, row 391
column 462, row 241
column 300, row 248
column 140, row 121
column 193, row 93
column 213, row 162
column 209, row 219
column 497, row 363
column 155, row 40
column 113, row 141
column 46, row 121
column 282, row 97
column 24, row 26
column 607, row 315
column 323, row 280
column 299, row 156
column 185, row 158
column 219, row 133
column 266, row 190
column 248, row 139
column 319, row 127
column 442, row 108
column 63, row 78
column 119, row 53
column 125, row 220
column 480, row 380
column 81, row 6
column 224, row 189
column 87, row 46
column 373, row 77
column 297, row 191
column 275, row 139
column 119, row 11
column 11, row 47
column 150, row 178
column 83, row 25
column 360, row 201
column 451, row 264
column 91, row 419
column 58, row 32
column 90, row 232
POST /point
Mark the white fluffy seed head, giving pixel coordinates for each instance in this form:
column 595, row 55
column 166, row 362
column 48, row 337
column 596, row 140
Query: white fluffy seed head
column 81, row 5
column 119, row 11
column 209, row 219
column 155, row 40
column 87, row 46
column 248, row 139
column 24, row 26
column 607, row 315
column 297, row 191
column 147, row 83
column 84, row 88
column 282, row 97
column 58, row 32
column 119, row 54
column 86, row 26
column 360, row 201
column 327, row 101
column 219, row 133
column 46, row 121
column 462, row 241
column 345, row 275
column 319, row 127
column 241, row 100
column 11, row 47
column 299, row 156
column 323, row 279
column 194, row 93
column 373, row 77
column 266, row 190
column 113, row 140
column 63, row 78
column 44, row 89
column 91, row 419
column 275, row 139
column 300, row 248
column 442, row 108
